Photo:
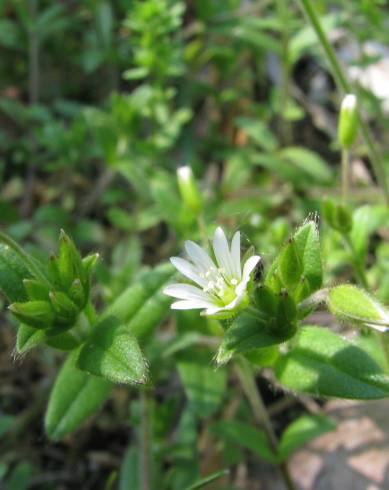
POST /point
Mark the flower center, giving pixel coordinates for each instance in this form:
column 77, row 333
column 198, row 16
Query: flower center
column 219, row 286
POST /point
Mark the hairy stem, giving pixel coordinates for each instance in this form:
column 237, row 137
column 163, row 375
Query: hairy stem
column 344, row 84
column 261, row 416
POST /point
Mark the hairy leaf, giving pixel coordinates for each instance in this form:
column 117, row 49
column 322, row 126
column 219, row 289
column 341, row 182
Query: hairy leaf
column 324, row 364
column 76, row 396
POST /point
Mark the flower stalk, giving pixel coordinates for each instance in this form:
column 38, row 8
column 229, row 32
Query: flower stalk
column 250, row 389
column 344, row 84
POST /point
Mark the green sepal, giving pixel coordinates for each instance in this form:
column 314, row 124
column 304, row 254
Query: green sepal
column 89, row 263
column 298, row 267
column 65, row 310
column 338, row 216
column 38, row 314
column 277, row 311
column 69, row 262
column 77, row 294
column 36, row 290
column 53, row 272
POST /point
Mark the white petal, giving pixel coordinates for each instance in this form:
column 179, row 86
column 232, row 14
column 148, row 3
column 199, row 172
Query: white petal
column 199, row 256
column 222, row 252
column 379, row 328
column 248, row 268
column 189, row 305
column 186, row 291
column 213, row 310
column 188, row 270
column 235, row 255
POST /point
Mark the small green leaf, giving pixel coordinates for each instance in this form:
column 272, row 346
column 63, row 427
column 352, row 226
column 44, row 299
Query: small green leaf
column 204, row 385
column 12, row 272
column 324, row 364
column 290, row 266
column 248, row 332
column 246, row 436
column 111, row 352
column 352, row 303
column 301, row 431
column 76, row 395
column 29, row 337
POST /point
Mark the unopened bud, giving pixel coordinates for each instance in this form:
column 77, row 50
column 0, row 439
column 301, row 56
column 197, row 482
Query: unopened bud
column 188, row 189
column 348, row 121
column 38, row 314
column 338, row 216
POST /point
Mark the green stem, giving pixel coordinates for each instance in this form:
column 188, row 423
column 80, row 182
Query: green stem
column 359, row 268
column 345, row 85
column 261, row 416
column 26, row 258
column 345, row 174
column 145, row 446
column 91, row 313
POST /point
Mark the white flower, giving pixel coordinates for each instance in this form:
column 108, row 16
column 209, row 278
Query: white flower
column 221, row 287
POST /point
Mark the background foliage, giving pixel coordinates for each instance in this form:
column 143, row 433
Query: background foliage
column 100, row 103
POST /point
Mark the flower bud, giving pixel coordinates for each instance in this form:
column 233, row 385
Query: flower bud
column 38, row 314
column 69, row 261
column 338, row 216
column 188, row 189
column 348, row 121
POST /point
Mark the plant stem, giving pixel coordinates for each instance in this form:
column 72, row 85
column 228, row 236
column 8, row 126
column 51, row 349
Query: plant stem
column 145, row 449
column 26, row 258
column 261, row 416
column 344, row 84
column 345, row 174
column 359, row 268
column 91, row 314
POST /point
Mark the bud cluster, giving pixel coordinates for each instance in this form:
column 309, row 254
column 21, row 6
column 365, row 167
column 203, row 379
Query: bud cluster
column 57, row 301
